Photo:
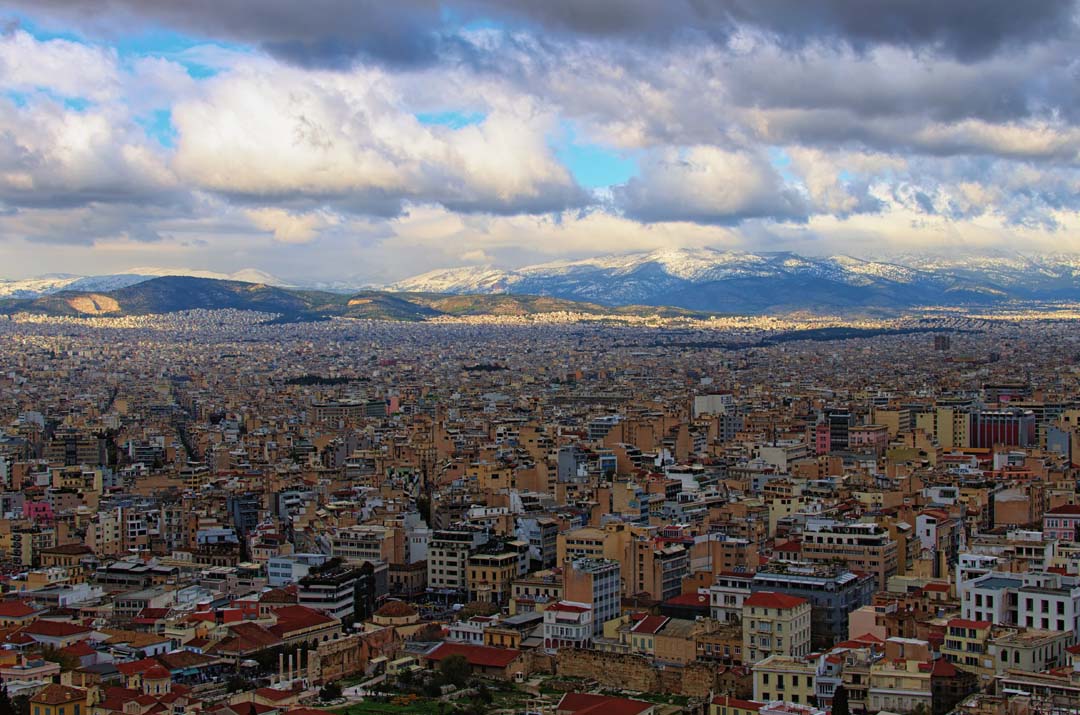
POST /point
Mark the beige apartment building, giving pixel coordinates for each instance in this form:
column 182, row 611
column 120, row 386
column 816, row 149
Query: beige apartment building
column 775, row 624
column 862, row 547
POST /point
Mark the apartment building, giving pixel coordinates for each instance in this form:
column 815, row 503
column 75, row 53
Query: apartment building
column 727, row 594
column 862, row 547
column 368, row 542
column 775, row 624
column 448, row 559
column 657, row 571
column 786, row 678
column 597, row 583
column 832, row 589
column 568, row 624
column 490, row 575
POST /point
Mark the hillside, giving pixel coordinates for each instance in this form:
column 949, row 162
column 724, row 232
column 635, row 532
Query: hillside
column 741, row 282
column 171, row 294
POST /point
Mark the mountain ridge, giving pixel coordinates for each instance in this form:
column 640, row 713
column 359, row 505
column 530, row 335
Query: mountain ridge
column 704, row 280
column 170, row 294
column 740, row 281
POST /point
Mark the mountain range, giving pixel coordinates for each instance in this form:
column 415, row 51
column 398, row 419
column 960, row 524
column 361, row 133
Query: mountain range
column 702, row 280
column 170, row 294
column 740, row 282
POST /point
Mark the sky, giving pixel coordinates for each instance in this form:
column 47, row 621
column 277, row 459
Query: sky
column 365, row 141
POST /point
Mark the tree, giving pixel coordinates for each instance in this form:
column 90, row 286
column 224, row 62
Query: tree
column 454, row 670
column 6, row 706
column 477, row 608
column 64, row 660
column 840, row 702
column 330, row 691
column 423, row 505
column 483, row 694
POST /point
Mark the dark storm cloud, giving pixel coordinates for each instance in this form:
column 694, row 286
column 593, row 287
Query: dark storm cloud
column 327, row 32
column 315, row 32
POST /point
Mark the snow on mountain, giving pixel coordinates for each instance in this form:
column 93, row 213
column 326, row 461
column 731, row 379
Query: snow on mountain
column 34, row 287
column 467, row 279
column 247, row 275
column 712, row 279
column 694, row 265
column 56, row 282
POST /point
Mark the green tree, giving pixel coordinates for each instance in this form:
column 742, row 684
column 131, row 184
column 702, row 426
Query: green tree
column 840, row 701
column 483, row 694
column 454, row 670
column 6, row 706
column 478, row 608
column 330, row 691
column 423, row 505
column 64, row 660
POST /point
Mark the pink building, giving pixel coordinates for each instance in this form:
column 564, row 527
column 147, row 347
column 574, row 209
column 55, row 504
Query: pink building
column 38, row 511
column 822, row 438
column 871, row 437
column 1061, row 522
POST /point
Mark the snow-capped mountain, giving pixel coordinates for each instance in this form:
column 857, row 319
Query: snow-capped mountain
column 737, row 281
column 246, row 275
column 56, row 282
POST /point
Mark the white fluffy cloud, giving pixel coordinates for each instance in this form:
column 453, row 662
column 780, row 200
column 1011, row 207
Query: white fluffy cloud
column 706, row 184
column 740, row 140
column 290, row 227
column 67, row 68
column 275, row 133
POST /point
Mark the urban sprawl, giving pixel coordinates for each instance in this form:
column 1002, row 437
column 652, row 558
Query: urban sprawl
column 209, row 513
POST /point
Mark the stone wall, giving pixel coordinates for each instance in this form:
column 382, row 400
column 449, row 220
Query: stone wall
column 635, row 672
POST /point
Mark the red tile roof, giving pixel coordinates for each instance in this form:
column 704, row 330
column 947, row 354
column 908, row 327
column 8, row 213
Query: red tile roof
column 55, row 694
column 274, row 694
column 600, row 705
column 771, row 599
column 738, row 703
column 650, row 624
column 134, row 667
column 298, row 618
column 247, row 638
column 688, row 599
column 1064, row 509
column 567, row 607
column 54, row 629
column 477, row 655
column 157, row 672
column 80, row 649
column 943, row 669
column 16, row 609
column 965, row 623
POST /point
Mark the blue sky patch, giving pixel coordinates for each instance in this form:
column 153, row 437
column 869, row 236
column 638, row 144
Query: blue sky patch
column 594, row 166
column 453, row 119
column 782, row 163
column 159, row 127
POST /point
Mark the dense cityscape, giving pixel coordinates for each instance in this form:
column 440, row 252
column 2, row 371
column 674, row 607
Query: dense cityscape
column 539, row 357
column 210, row 512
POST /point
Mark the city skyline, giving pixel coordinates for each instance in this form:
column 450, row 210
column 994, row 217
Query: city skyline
column 370, row 143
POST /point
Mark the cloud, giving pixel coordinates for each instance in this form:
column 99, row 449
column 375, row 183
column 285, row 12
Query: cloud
column 268, row 132
column 333, row 32
column 823, row 125
column 290, row 227
column 708, row 185
column 51, row 155
column 62, row 67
